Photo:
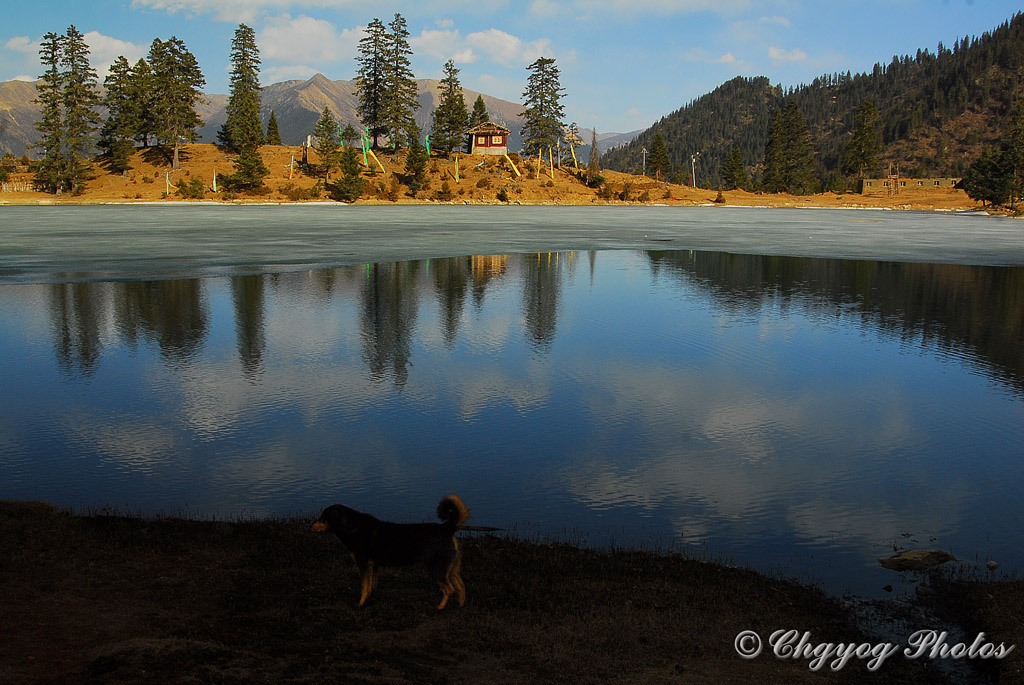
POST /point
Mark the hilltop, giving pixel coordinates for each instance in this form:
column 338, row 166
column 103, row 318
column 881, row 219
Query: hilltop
column 937, row 112
column 482, row 180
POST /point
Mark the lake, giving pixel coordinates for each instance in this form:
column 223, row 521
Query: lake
column 611, row 378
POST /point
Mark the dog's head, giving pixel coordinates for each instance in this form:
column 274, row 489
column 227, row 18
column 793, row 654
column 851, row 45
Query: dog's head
column 333, row 519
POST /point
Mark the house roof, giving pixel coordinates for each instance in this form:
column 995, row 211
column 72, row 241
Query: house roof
column 489, row 127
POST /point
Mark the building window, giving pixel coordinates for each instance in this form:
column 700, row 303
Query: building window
column 885, row 183
column 867, row 183
column 481, row 140
column 495, row 140
column 938, row 183
column 920, row 183
column 903, row 184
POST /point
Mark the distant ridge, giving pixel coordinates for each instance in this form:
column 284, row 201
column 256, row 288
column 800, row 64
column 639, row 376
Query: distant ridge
column 297, row 105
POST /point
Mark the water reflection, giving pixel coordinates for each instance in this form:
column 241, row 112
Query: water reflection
column 965, row 310
column 783, row 411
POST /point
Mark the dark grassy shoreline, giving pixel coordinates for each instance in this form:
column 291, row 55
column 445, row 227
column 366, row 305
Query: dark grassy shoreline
column 125, row 599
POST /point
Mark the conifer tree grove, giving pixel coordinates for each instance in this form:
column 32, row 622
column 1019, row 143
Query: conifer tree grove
column 118, row 132
column 789, row 164
column 242, row 132
column 734, row 173
column 863, row 150
column 542, row 126
column 371, row 78
column 142, row 95
column 177, row 82
column 450, row 117
column 49, row 174
column 68, row 98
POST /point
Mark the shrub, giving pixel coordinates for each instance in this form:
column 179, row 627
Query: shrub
column 346, row 188
column 394, row 186
column 484, row 182
column 645, row 196
column 627, row 189
column 550, row 183
column 720, row 199
column 296, row 193
column 445, row 193
column 502, row 194
column 194, row 189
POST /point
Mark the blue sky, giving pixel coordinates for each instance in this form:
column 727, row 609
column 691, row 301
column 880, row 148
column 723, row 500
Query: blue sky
column 624, row 63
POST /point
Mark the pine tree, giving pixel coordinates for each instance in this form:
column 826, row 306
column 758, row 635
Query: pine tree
column 118, row 132
column 400, row 90
column 990, row 178
column 243, row 128
column 479, row 115
column 415, row 163
column 660, row 164
column 1015, row 153
column 49, row 172
column 789, row 164
column 450, row 116
column 273, row 133
column 177, row 82
column 326, row 134
column 862, row 151
column 242, row 132
column 143, row 96
column 370, row 78
column 734, row 173
column 349, row 135
column 80, row 116
column 542, row 126
column 350, row 185
column 594, row 166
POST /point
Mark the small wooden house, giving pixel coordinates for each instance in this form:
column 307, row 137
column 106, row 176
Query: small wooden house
column 488, row 138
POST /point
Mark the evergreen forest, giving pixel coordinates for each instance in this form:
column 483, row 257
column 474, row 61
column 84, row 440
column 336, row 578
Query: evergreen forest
column 936, row 113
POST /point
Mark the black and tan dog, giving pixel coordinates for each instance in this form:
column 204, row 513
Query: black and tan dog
column 375, row 543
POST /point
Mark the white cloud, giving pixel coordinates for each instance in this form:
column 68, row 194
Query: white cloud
column 778, row 55
column 24, row 77
column 444, row 45
column 22, row 44
column 507, row 49
column 727, row 58
column 103, row 50
column 304, row 39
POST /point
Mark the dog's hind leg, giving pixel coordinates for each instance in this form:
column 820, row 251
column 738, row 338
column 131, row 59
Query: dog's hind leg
column 368, row 582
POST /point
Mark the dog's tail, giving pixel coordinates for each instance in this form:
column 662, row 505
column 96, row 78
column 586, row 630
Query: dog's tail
column 453, row 512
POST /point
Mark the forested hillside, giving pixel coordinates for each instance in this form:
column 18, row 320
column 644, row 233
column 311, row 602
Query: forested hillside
column 936, row 113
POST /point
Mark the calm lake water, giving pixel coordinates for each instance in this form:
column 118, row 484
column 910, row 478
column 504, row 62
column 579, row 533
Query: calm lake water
column 798, row 413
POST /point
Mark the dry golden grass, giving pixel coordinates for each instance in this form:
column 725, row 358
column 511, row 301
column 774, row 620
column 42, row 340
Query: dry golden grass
column 151, row 176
